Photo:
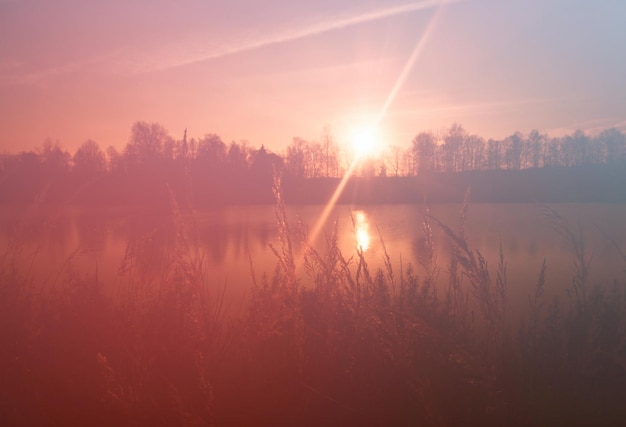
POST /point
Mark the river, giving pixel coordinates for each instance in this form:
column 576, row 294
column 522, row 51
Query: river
column 234, row 243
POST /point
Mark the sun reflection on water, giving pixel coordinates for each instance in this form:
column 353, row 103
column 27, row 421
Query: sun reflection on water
column 361, row 231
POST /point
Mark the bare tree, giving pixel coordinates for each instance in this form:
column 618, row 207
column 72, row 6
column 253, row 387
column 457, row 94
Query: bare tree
column 615, row 143
column 514, row 149
column 453, row 148
column 475, row 147
column 536, row 146
column 211, row 151
column 54, row 159
column 494, row 154
column 147, row 144
column 330, row 153
column 89, row 160
column 396, row 159
column 424, row 151
column 295, row 158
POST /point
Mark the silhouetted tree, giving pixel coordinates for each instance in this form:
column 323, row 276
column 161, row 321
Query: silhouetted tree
column 264, row 166
column 89, row 160
column 424, row 151
column 237, row 158
column 453, row 148
column 54, row 159
column 210, row 162
column 514, row 151
column 576, row 149
column 115, row 160
column 494, row 154
column 22, row 177
column 615, row 143
column 316, row 159
column 475, row 148
column 396, row 153
column 553, row 153
column 408, row 165
column 537, row 147
column 295, row 159
column 183, row 152
column 331, row 161
column 147, row 145
column 211, row 151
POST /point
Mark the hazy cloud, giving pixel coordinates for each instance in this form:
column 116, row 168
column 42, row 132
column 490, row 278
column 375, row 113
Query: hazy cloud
column 195, row 50
column 197, row 47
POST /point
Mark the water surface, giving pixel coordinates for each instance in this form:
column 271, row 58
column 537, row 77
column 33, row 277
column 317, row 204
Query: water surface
column 234, row 242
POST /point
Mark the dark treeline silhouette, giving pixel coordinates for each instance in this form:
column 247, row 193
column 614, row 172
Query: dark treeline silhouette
column 154, row 166
column 457, row 151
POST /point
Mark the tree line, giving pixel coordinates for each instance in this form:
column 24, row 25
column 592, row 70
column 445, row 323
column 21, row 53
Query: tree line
column 153, row 163
column 456, row 151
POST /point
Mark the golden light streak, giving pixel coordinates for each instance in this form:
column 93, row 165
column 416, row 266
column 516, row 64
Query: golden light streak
column 394, row 91
column 409, row 65
column 331, row 203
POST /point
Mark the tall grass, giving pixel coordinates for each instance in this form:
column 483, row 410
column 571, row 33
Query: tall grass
column 574, row 354
column 357, row 346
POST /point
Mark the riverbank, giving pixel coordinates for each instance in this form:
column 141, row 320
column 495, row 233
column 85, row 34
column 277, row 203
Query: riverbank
column 546, row 185
column 591, row 183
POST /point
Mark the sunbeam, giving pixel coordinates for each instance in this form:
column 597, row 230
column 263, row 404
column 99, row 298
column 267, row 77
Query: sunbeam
column 389, row 100
column 331, row 203
column 410, row 63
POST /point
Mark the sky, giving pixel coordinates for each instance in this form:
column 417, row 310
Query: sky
column 268, row 71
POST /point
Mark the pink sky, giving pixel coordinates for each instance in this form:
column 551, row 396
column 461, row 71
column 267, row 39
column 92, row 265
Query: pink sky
column 268, row 71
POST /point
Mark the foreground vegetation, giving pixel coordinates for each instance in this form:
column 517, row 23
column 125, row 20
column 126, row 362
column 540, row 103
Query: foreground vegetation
column 430, row 345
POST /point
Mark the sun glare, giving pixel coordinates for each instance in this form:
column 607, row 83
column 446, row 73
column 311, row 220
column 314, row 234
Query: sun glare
column 365, row 141
column 361, row 231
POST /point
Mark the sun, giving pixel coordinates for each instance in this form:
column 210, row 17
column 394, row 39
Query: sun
column 365, row 141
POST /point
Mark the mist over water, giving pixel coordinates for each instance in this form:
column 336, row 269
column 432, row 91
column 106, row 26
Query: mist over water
column 88, row 240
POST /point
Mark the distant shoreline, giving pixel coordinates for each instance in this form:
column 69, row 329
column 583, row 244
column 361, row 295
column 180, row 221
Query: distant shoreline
column 579, row 184
column 556, row 185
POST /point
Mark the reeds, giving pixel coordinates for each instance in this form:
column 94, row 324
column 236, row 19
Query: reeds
column 489, row 295
column 353, row 346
